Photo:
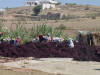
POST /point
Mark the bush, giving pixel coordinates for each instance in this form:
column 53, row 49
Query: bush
column 20, row 12
column 87, row 7
column 69, row 17
column 37, row 9
column 92, row 16
column 64, row 17
column 70, row 4
column 61, row 27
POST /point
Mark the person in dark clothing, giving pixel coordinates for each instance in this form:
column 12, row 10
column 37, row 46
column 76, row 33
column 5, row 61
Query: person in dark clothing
column 11, row 42
column 41, row 38
column 80, row 38
column 90, row 39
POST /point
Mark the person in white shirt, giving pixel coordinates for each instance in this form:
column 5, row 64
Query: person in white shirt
column 70, row 43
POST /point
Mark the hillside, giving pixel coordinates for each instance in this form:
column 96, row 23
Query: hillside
column 79, row 17
column 64, row 9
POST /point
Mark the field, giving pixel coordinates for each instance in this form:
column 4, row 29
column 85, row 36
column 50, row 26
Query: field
column 71, row 25
column 88, row 20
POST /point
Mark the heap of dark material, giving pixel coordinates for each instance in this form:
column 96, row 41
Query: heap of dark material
column 81, row 52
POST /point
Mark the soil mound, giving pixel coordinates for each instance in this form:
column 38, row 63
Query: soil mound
column 81, row 52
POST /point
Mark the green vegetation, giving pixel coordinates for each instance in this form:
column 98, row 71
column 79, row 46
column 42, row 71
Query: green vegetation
column 27, row 35
column 68, row 17
column 20, row 12
column 44, row 29
column 37, row 9
column 87, row 7
column 70, row 4
column 92, row 16
column 61, row 27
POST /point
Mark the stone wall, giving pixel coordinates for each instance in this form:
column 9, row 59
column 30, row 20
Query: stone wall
column 51, row 16
column 48, row 16
column 32, row 18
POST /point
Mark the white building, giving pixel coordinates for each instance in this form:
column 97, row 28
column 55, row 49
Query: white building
column 46, row 4
column 2, row 10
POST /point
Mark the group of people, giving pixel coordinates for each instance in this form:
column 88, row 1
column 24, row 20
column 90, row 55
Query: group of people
column 15, row 42
column 49, row 38
column 84, row 37
column 41, row 38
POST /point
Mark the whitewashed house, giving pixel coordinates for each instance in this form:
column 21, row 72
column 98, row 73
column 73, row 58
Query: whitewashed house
column 2, row 10
column 46, row 4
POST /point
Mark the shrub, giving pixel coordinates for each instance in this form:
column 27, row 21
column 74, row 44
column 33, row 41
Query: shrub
column 61, row 27
column 37, row 9
column 20, row 12
column 87, row 7
column 92, row 16
column 70, row 17
column 70, row 4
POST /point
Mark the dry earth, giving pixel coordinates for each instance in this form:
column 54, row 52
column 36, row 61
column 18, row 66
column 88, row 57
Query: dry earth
column 65, row 66
column 8, row 70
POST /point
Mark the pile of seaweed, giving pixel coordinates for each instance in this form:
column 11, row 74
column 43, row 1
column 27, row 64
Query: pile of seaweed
column 81, row 52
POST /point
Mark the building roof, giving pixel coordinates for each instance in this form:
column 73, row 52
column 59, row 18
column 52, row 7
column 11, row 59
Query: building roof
column 48, row 1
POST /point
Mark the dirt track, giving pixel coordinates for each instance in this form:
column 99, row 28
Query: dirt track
column 15, row 71
column 58, row 66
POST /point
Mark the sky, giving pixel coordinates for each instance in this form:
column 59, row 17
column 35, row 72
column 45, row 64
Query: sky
column 18, row 3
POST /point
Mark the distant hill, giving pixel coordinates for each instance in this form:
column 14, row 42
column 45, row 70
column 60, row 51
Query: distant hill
column 78, row 10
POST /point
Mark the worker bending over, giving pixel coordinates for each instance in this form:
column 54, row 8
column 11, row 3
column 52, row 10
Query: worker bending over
column 70, row 43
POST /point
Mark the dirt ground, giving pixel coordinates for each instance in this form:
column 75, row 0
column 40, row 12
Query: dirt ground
column 24, row 72
column 8, row 70
column 62, row 66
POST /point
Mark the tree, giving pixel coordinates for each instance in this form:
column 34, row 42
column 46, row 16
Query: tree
column 87, row 7
column 37, row 9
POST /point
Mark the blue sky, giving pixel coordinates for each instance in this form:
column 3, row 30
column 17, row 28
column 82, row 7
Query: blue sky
column 17, row 3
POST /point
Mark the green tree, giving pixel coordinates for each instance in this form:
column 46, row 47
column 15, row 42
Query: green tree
column 37, row 9
column 87, row 7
